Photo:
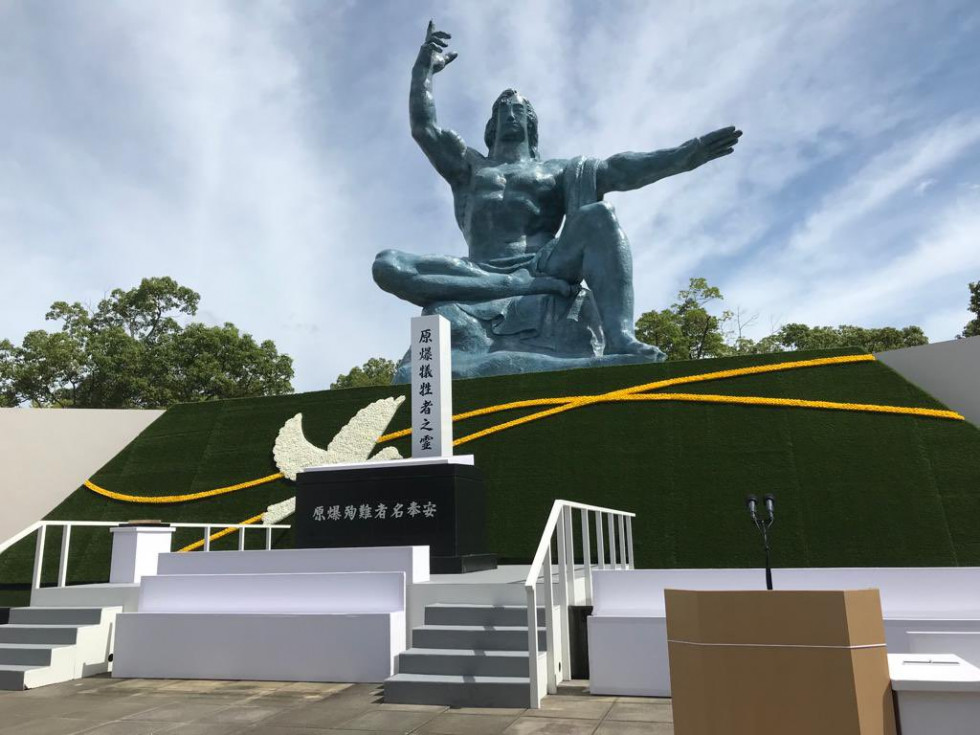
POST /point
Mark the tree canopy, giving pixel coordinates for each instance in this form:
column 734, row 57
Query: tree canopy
column 130, row 351
column 972, row 328
column 376, row 371
column 688, row 331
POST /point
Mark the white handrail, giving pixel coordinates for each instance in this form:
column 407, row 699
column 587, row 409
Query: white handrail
column 41, row 528
column 559, row 526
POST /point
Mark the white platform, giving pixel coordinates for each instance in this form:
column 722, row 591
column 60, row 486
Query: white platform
column 311, row 593
column 347, row 626
column 937, row 694
column 628, row 631
column 412, row 560
column 335, row 648
column 465, row 459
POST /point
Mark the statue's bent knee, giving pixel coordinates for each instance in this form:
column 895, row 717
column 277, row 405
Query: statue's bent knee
column 388, row 270
column 599, row 219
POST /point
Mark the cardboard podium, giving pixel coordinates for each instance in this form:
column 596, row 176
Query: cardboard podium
column 775, row 663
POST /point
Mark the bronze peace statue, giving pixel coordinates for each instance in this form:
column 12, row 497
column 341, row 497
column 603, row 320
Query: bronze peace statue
column 527, row 298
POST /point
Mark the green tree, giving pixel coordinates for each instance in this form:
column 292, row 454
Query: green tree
column 8, row 394
column 130, row 351
column 803, row 337
column 972, row 329
column 687, row 331
column 376, row 371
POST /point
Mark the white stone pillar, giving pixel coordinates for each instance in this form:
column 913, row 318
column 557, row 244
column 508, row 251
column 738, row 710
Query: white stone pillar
column 135, row 550
column 432, row 388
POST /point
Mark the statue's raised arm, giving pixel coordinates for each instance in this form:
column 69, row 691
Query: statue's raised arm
column 444, row 148
column 626, row 171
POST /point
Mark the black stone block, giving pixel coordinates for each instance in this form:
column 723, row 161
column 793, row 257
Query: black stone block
column 442, row 506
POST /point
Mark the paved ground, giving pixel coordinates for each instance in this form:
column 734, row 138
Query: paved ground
column 105, row 706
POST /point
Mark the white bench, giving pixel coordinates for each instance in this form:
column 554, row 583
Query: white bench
column 628, row 634
column 343, row 627
column 630, row 602
column 935, row 693
column 413, row 560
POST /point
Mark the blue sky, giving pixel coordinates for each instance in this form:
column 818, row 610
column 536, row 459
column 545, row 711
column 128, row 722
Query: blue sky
column 259, row 153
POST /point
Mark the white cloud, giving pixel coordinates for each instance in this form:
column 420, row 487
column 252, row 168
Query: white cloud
column 260, row 153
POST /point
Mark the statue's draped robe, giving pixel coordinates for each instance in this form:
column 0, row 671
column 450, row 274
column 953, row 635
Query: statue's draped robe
column 563, row 326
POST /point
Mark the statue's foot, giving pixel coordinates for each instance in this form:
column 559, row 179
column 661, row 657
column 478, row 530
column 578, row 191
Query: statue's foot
column 630, row 345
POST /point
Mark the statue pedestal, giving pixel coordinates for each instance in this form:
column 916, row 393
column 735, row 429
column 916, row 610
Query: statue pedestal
column 439, row 503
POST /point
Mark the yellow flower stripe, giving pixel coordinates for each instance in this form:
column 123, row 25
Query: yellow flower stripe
column 568, row 403
column 585, row 400
column 795, row 403
column 221, row 534
column 160, row 499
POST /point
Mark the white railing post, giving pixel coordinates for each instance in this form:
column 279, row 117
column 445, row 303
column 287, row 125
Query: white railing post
column 268, row 538
column 600, row 541
column 622, row 542
column 549, row 621
column 611, row 523
column 559, row 530
column 570, row 556
column 241, row 538
column 63, row 561
column 38, row 557
column 532, row 645
column 562, row 638
column 587, row 555
column 631, row 562
column 207, row 538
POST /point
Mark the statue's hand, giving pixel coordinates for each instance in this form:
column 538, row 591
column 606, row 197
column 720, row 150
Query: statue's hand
column 432, row 51
column 714, row 145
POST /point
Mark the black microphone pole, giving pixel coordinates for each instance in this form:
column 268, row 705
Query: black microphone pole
column 769, row 501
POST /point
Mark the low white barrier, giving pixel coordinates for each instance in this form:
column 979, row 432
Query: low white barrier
column 412, row 560
column 628, row 624
column 963, row 643
column 628, row 634
column 344, row 627
column 936, row 694
column 356, row 592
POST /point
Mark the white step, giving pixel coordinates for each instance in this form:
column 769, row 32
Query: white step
column 57, row 615
column 34, row 654
column 458, row 691
column 32, row 633
column 475, row 637
column 448, row 661
column 50, row 645
column 17, row 677
column 469, row 614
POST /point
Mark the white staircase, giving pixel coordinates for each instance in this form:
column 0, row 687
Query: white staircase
column 47, row 645
column 467, row 655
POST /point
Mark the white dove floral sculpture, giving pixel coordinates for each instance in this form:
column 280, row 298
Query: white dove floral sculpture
column 353, row 443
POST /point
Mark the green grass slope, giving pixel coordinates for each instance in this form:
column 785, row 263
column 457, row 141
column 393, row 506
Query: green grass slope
column 853, row 489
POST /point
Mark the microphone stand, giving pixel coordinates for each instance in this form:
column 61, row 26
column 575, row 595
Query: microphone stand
column 764, row 525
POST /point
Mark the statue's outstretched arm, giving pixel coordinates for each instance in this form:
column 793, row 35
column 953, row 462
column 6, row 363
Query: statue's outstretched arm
column 626, row 171
column 444, row 148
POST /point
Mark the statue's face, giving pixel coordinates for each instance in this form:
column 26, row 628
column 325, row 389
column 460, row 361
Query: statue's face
column 512, row 119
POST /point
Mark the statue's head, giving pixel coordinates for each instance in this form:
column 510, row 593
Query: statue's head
column 513, row 118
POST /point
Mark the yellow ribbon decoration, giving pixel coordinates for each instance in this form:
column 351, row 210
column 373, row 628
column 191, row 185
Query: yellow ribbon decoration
column 181, row 498
column 568, row 403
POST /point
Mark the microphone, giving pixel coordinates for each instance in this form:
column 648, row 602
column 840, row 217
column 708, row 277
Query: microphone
column 770, row 501
column 750, row 502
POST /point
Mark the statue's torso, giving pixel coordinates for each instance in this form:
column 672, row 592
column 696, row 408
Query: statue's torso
column 508, row 209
